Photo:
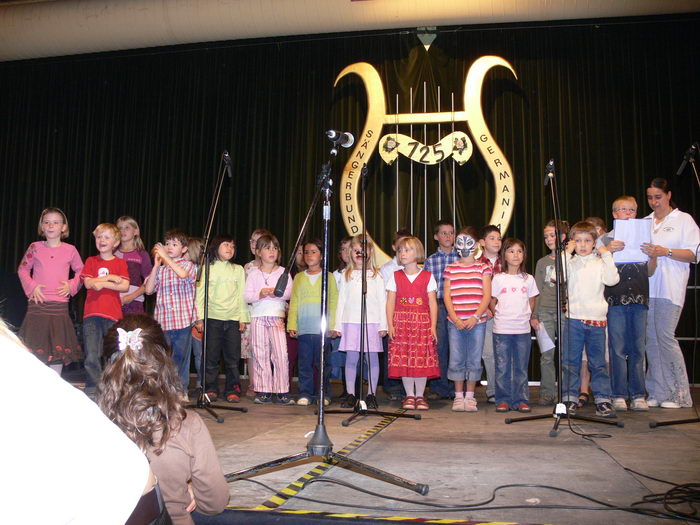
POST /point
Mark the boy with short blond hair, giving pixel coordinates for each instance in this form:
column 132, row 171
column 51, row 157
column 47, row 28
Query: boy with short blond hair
column 173, row 277
column 490, row 242
column 104, row 276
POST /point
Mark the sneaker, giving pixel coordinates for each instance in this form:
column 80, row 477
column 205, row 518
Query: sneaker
column 349, row 402
column 640, row 404
column 233, row 398
column 303, row 401
column 619, row 403
column 284, row 399
column 422, row 404
column 326, row 401
column 571, row 407
column 470, row 404
column 371, row 401
column 502, row 407
column 262, row 398
column 605, row 409
column 669, row 404
column 652, row 403
column 491, row 399
column 458, row 405
column 524, row 407
column 409, row 403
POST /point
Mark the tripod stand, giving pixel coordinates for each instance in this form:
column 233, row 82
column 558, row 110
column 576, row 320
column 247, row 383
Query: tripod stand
column 360, row 408
column 560, row 410
column 203, row 401
column 320, row 444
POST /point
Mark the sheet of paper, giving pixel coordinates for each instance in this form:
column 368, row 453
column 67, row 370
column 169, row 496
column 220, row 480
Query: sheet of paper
column 633, row 232
column 543, row 340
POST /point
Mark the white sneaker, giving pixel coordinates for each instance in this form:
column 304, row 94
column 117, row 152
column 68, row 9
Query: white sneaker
column 470, row 405
column 619, row 403
column 640, row 404
column 669, row 404
column 652, row 403
column 458, row 405
column 303, row 401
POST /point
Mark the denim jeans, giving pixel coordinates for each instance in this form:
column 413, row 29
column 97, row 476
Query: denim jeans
column 440, row 385
column 94, row 330
column 197, row 356
column 512, row 355
column 310, row 360
column 489, row 361
column 465, row 352
column 336, row 360
column 223, row 338
column 180, row 342
column 627, row 327
column 667, row 379
column 576, row 335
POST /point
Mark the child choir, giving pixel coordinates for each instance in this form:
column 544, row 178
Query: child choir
column 433, row 320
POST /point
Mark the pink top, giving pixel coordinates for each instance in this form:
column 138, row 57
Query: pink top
column 513, row 308
column 269, row 306
column 48, row 266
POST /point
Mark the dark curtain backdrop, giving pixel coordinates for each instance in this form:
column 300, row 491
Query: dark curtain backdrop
column 141, row 133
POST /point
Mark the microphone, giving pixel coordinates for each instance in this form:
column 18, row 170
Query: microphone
column 688, row 157
column 227, row 163
column 281, row 284
column 548, row 171
column 341, row 138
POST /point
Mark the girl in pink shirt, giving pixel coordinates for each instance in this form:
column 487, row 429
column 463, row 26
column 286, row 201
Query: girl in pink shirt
column 47, row 329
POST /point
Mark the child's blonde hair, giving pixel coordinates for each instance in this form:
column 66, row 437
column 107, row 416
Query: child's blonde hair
column 109, row 227
column 583, row 227
column 597, row 222
column 369, row 255
column 58, row 211
column 138, row 242
column 194, row 249
column 414, row 244
column 623, row 198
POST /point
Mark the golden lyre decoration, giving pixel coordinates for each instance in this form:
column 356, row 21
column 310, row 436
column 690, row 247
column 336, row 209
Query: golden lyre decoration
column 394, row 144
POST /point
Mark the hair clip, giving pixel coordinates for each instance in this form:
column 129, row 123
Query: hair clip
column 131, row 339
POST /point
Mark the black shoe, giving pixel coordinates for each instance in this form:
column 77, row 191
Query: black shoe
column 372, row 402
column 349, row 402
column 283, row 399
column 262, row 398
column 571, row 407
column 605, row 409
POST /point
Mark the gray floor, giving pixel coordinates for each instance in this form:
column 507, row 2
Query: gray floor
column 463, row 457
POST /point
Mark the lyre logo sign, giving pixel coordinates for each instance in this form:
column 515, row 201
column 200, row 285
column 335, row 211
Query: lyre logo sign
column 457, row 144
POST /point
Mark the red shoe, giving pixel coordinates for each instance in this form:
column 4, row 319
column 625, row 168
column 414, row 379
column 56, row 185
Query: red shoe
column 422, row 404
column 524, row 407
column 233, row 398
column 409, row 403
column 502, row 407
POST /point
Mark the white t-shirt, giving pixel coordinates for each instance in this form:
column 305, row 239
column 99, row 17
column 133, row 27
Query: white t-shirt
column 677, row 231
column 391, row 283
column 388, row 269
column 513, row 308
column 62, row 460
column 313, row 277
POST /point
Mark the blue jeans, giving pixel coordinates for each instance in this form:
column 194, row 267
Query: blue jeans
column 223, row 338
column 576, row 335
column 94, row 330
column 465, row 352
column 488, row 358
column 440, row 385
column 627, row 327
column 310, row 359
column 180, row 342
column 197, row 355
column 391, row 386
column 336, row 361
column 512, row 355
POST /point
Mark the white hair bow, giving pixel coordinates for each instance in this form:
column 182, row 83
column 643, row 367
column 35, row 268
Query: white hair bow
column 131, row 339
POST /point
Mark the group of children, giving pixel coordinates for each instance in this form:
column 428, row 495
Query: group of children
column 472, row 301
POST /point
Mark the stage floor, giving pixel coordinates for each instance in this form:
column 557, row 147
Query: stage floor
column 463, row 457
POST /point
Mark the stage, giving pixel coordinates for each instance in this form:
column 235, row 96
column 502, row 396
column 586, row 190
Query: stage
column 463, row 457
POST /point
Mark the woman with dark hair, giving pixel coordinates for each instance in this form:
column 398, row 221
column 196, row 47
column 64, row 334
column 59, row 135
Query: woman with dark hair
column 140, row 391
column 674, row 242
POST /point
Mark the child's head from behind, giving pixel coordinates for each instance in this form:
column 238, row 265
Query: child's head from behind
column 313, row 253
column 53, row 223
column 584, row 234
column 514, row 256
column 222, row 248
column 550, row 233
column 466, row 242
column 257, row 233
column 176, row 242
column 490, row 240
column 598, row 224
column 444, row 234
column 107, row 237
column 194, row 249
column 140, row 389
column 398, row 235
column 129, row 230
column 267, row 248
column 624, row 207
column 410, row 250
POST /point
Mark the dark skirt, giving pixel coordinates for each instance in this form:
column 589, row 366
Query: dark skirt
column 48, row 332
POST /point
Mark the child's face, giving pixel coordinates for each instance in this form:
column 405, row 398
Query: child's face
column 345, row 252
column 299, row 257
column 253, row 241
column 128, row 232
column 268, row 254
column 174, row 248
column 357, row 256
column 550, row 237
column 491, row 243
column 514, row 256
column 52, row 226
column 584, row 243
column 312, row 256
column 226, row 251
column 105, row 242
column 406, row 255
column 445, row 237
column 625, row 210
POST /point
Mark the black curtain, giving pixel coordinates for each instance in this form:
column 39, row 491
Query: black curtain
column 141, row 133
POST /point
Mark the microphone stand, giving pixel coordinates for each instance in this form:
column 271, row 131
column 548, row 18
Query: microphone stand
column 320, row 444
column 203, row 401
column 360, row 408
column 560, row 410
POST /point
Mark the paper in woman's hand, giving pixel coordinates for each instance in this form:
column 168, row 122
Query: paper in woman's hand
column 633, row 232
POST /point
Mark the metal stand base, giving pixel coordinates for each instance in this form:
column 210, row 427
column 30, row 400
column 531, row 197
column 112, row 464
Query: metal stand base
column 559, row 414
column 360, row 410
column 204, row 403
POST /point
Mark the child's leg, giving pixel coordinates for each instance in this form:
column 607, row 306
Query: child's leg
column 373, row 371
column 232, row 356
column 618, row 334
column 548, row 375
column 573, row 340
column 292, row 346
column 278, row 355
column 351, row 360
column 305, row 364
column 504, row 386
column 94, row 330
column 521, row 358
column 637, row 322
column 409, row 385
column 420, row 383
column 457, row 368
column 181, row 345
column 487, row 356
column 197, row 356
column 262, row 372
column 585, row 372
column 215, row 344
column 595, row 347
column 474, row 347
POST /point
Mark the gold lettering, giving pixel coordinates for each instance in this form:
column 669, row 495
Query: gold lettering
column 348, row 208
column 369, row 133
column 490, row 150
column 365, row 144
column 354, row 230
column 505, row 202
column 505, row 189
column 483, row 138
column 348, row 197
column 355, row 164
column 497, row 162
column 348, row 186
column 503, row 175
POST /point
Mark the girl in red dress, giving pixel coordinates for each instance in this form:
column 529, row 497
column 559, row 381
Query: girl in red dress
column 412, row 310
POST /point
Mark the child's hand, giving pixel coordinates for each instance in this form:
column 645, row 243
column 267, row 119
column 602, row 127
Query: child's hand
column 335, row 333
column 470, row 323
column 459, row 324
column 199, row 326
column 535, row 323
column 570, row 246
column 433, row 334
column 267, row 292
column 64, row 289
column 159, row 249
column 391, row 332
column 126, row 299
column 602, row 250
column 489, row 314
column 242, row 327
column 37, row 295
column 293, row 334
column 382, row 333
column 98, row 285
